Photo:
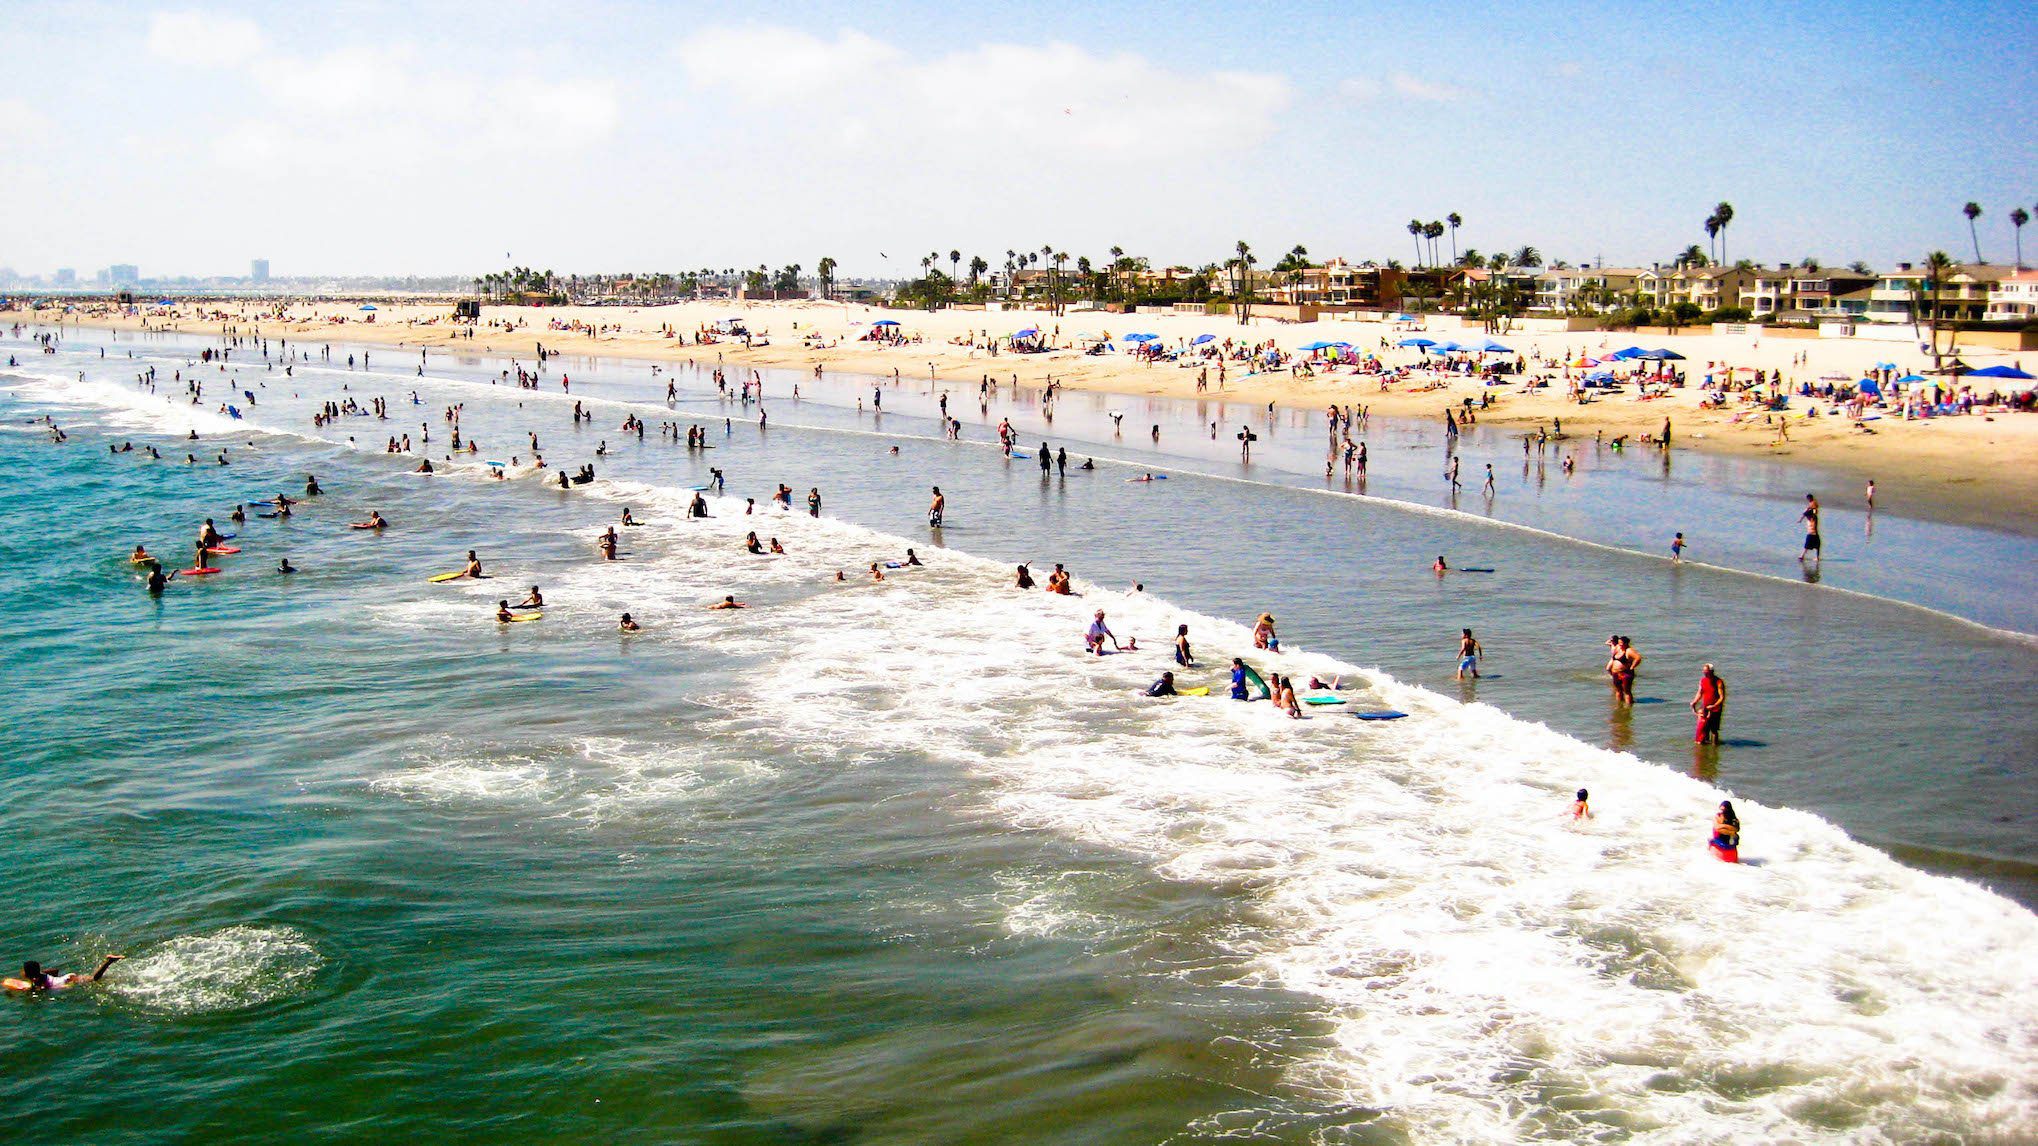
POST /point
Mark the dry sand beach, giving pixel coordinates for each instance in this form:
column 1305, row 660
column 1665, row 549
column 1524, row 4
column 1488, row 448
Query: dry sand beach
column 1974, row 469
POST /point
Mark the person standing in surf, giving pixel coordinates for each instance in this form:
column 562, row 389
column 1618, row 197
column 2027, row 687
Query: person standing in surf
column 1710, row 706
column 936, row 508
column 1810, row 517
column 1469, row 652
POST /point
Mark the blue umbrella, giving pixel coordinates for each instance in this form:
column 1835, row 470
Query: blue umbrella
column 1029, row 332
column 1491, row 347
column 1202, row 338
column 1997, row 372
column 1141, row 337
column 164, row 302
column 1404, row 318
column 1600, row 376
column 1416, row 342
column 1908, row 378
column 1319, row 345
column 1885, row 366
column 886, row 322
column 1661, row 355
column 370, row 306
column 1342, row 345
column 1446, row 346
column 1627, row 352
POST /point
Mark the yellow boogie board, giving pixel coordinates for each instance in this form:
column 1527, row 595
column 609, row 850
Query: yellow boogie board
column 521, row 618
column 448, row 577
column 1200, row 690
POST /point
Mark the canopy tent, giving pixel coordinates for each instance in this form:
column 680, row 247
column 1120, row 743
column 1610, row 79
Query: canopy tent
column 1447, row 347
column 1997, row 372
column 886, row 322
column 1491, row 347
column 1627, row 352
column 1423, row 342
column 1202, row 338
column 1661, row 355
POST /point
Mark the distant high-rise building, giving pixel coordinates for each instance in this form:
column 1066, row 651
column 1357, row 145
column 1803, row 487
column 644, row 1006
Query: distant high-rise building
column 124, row 274
column 67, row 276
column 259, row 271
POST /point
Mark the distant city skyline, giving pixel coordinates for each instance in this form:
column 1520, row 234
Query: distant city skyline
column 396, row 140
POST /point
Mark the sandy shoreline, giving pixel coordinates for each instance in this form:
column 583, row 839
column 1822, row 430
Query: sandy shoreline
column 1974, row 469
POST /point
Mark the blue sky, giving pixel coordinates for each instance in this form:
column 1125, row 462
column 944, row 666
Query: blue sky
column 423, row 138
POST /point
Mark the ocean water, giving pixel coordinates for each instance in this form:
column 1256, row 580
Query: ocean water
column 897, row 862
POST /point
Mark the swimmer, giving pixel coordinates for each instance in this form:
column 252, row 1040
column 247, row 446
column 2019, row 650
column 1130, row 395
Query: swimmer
column 1183, row 656
column 1677, row 548
column 912, row 558
column 1264, row 636
column 1440, row 568
column 728, row 603
column 535, row 600
column 375, row 521
column 1580, row 809
column 628, row 625
column 473, row 567
column 34, row 977
column 424, row 467
column 284, row 566
column 627, row 519
column 1165, row 686
column 503, row 616
column 158, row 580
column 140, row 556
column 311, row 486
column 751, row 544
column 937, row 507
column 1025, row 579
column 1726, row 830
column 1238, row 691
column 776, row 547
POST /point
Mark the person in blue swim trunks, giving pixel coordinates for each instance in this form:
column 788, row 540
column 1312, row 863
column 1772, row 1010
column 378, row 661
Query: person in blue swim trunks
column 1468, row 655
column 1238, row 691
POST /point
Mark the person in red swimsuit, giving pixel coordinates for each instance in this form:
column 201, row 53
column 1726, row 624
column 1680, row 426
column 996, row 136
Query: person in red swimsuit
column 1710, row 705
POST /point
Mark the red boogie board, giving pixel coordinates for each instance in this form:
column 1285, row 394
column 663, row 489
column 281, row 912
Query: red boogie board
column 196, row 572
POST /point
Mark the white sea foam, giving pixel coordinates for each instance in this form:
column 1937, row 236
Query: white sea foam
column 231, row 969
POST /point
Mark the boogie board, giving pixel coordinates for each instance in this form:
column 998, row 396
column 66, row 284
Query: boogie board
column 224, row 549
column 1323, row 700
column 523, row 617
column 268, row 515
column 197, row 572
column 1199, row 690
column 1473, row 569
column 436, row 578
column 1388, row 714
column 362, row 525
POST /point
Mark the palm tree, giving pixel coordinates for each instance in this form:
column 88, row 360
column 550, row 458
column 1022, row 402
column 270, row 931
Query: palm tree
column 1712, row 234
column 955, row 264
column 826, row 270
column 1454, row 219
column 1973, row 212
column 1937, row 265
column 977, row 266
column 1433, row 232
column 1725, row 214
column 2019, row 217
column 1242, row 296
column 1527, row 256
column 1415, row 228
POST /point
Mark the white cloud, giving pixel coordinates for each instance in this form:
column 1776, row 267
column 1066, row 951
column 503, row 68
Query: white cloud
column 203, row 39
column 1416, row 88
column 21, row 118
column 855, row 91
column 1399, row 84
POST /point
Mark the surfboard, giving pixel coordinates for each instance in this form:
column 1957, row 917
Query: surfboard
column 261, row 503
column 224, row 549
column 1199, row 690
column 446, row 577
column 1323, row 700
column 525, row 617
column 1473, row 569
column 1384, row 715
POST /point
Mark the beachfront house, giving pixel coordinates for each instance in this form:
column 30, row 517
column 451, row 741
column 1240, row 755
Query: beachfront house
column 2014, row 298
column 1340, row 285
column 1707, row 288
column 1963, row 294
column 1583, row 290
column 1829, row 293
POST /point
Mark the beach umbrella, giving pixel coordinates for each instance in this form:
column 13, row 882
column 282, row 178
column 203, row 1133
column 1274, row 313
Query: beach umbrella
column 164, row 302
column 1404, row 318
column 1660, row 355
column 1445, row 347
column 1998, row 372
column 1600, row 376
column 1029, row 332
column 1141, row 337
column 1319, row 345
column 1491, row 347
column 1627, row 352
column 886, row 322
column 1885, row 366
column 1583, row 362
column 1913, row 378
column 1342, row 345
column 1202, row 338
column 370, row 306
column 1416, row 342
